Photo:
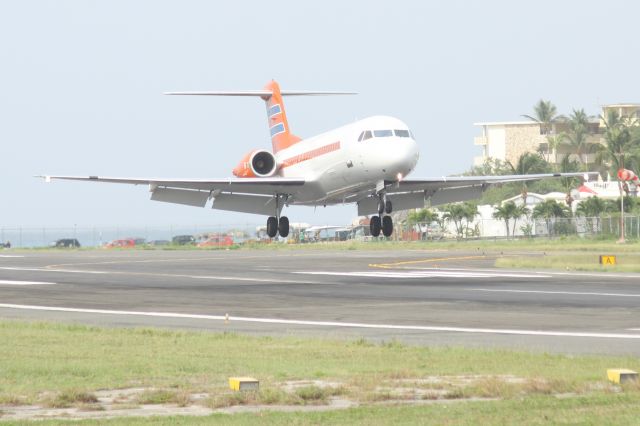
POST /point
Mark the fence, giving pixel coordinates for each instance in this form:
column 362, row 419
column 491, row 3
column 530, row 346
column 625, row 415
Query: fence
column 600, row 227
column 603, row 227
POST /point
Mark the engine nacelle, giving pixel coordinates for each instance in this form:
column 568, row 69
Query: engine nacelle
column 257, row 163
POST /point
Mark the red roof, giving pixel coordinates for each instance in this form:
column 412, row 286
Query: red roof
column 586, row 189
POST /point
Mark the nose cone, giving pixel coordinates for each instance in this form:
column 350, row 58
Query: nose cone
column 406, row 155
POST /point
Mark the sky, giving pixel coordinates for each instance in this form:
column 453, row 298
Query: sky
column 81, row 86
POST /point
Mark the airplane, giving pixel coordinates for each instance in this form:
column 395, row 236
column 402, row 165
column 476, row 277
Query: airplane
column 364, row 163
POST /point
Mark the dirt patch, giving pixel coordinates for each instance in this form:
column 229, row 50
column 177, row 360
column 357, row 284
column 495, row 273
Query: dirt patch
column 289, row 396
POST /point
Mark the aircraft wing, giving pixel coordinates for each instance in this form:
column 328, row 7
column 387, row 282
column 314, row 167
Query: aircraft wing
column 444, row 182
column 412, row 193
column 249, row 195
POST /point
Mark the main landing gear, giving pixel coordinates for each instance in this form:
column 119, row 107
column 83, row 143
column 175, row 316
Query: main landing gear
column 382, row 222
column 275, row 226
column 278, row 224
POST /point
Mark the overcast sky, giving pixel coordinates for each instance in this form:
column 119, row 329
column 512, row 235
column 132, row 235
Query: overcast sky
column 82, row 81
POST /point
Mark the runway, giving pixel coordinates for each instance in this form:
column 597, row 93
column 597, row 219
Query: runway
column 425, row 297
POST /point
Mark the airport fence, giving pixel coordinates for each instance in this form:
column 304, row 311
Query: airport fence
column 595, row 227
column 96, row 236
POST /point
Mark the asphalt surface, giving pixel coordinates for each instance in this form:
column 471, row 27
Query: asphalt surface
column 428, row 297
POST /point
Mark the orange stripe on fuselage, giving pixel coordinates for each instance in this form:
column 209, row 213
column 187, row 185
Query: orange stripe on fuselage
column 305, row 156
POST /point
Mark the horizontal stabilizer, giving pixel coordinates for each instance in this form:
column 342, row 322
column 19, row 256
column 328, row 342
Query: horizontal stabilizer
column 260, row 93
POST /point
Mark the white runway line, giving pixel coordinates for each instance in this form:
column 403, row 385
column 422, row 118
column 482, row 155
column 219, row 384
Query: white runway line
column 10, row 282
column 327, row 323
column 71, row 271
column 546, row 273
column 10, row 255
column 432, row 273
column 573, row 293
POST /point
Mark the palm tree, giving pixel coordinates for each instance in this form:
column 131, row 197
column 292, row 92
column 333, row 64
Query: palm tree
column 553, row 142
column 549, row 211
column 577, row 138
column 569, row 165
column 591, row 209
column 455, row 213
column 470, row 213
column 528, row 163
column 422, row 216
column 510, row 210
column 545, row 114
column 622, row 147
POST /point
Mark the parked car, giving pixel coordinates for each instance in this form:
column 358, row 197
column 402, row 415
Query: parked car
column 66, row 243
column 159, row 242
column 183, row 240
column 216, row 241
column 124, row 243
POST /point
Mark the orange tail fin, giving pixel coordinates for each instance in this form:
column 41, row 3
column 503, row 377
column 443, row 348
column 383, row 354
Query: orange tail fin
column 281, row 136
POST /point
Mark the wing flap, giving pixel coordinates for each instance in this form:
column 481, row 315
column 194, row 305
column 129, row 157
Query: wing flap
column 180, row 196
column 244, row 203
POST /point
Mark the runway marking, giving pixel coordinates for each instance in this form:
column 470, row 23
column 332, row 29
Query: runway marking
column 629, row 275
column 188, row 259
column 431, row 273
column 413, row 262
column 11, row 282
column 575, row 293
column 153, row 274
column 71, row 271
column 633, row 329
column 10, row 255
column 326, row 323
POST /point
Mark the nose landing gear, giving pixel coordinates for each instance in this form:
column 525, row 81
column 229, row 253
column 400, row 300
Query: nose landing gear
column 380, row 222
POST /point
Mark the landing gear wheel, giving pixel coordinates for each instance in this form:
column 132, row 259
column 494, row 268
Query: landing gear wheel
column 283, row 226
column 387, row 226
column 272, row 226
column 374, row 226
column 388, row 207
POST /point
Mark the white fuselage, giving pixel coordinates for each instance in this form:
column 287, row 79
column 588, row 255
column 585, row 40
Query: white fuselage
column 337, row 166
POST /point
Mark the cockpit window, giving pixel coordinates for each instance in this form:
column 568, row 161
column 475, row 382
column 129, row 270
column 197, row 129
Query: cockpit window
column 401, row 133
column 382, row 133
column 360, row 137
column 367, row 135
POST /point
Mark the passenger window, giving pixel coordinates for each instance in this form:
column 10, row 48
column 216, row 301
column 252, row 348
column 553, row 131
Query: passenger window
column 402, row 133
column 382, row 133
column 367, row 135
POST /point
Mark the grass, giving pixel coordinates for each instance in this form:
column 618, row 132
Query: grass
column 69, row 398
column 164, row 396
column 61, row 365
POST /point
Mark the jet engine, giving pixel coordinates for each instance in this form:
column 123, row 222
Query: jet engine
column 257, row 163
